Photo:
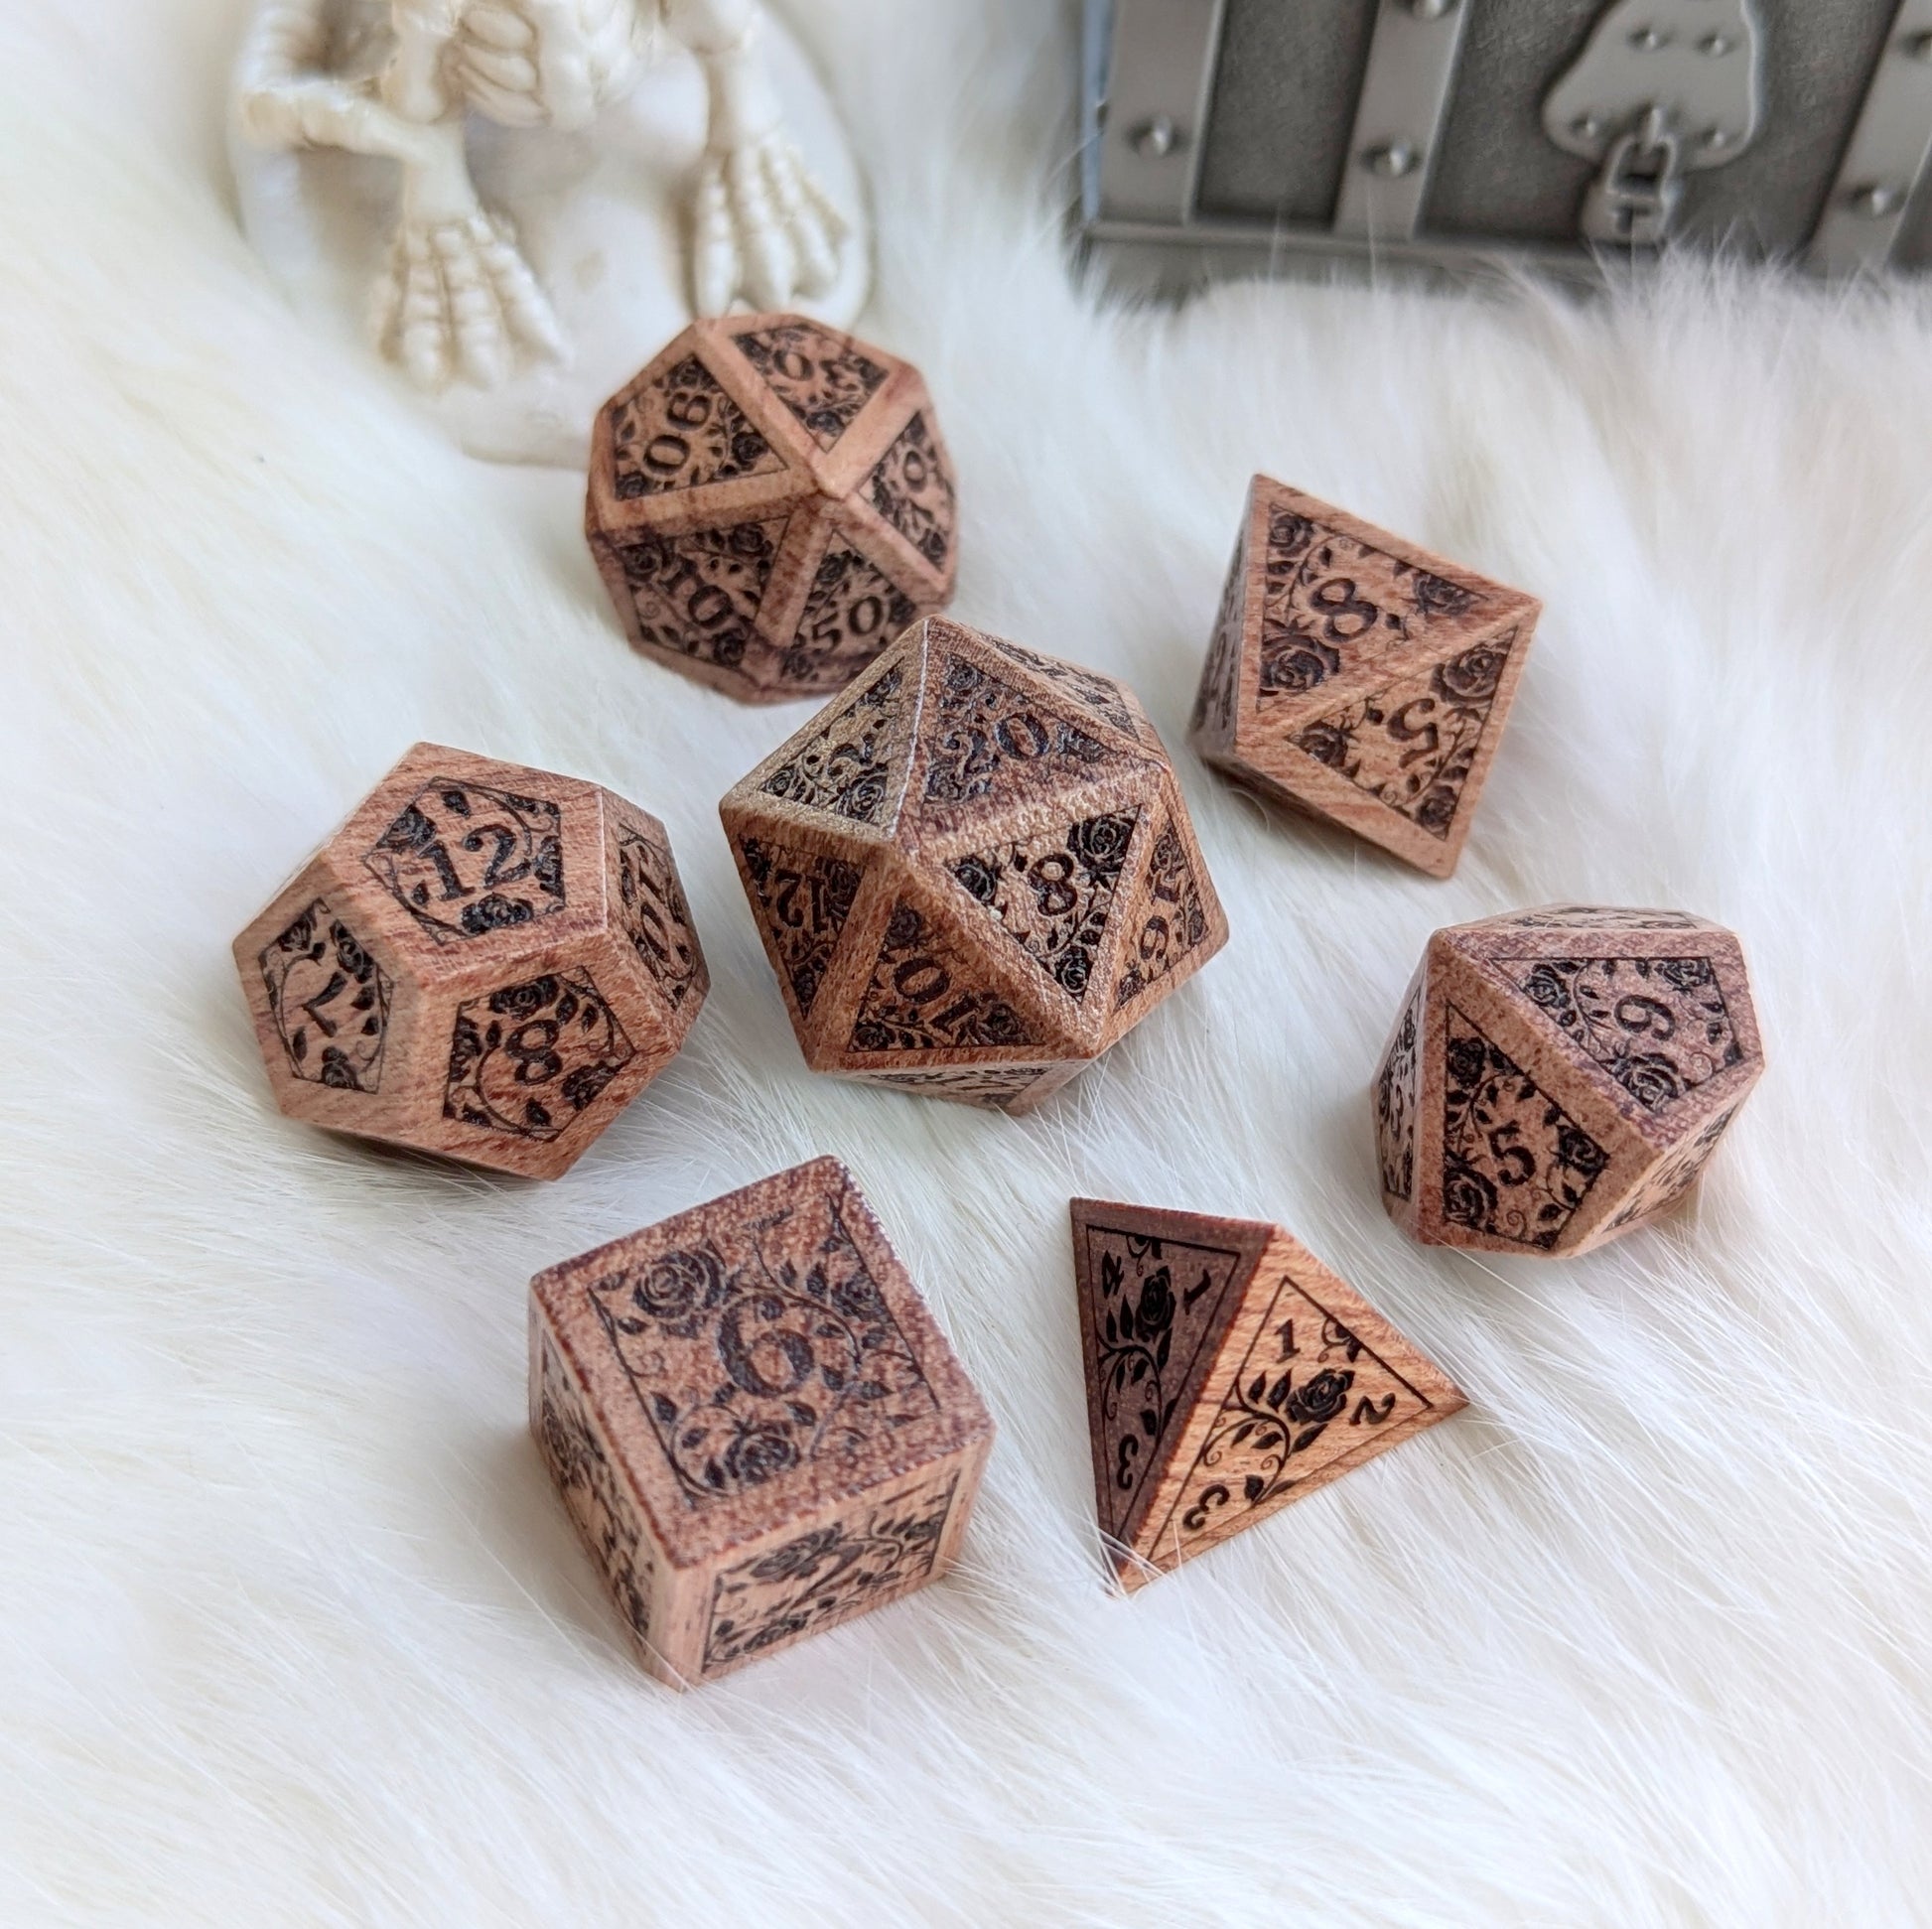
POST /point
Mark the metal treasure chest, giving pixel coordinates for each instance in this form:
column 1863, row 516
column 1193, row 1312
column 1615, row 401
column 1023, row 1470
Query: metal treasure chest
column 1223, row 136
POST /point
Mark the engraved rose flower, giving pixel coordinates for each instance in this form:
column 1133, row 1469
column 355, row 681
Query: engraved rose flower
column 1652, row 1078
column 800, row 1557
column 1287, row 535
column 1579, row 1151
column 1297, row 663
column 1436, row 811
column 1153, row 1314
column 1544, row 985
column 761, row 1453
column 524, row 1001
column 352, row 958
column 1466, row 1061
column 1320, row 1399
column 1684, row 974
column 1436, row 596
column 1325, row 743
column 1468, row 1200
column 1101, row 842
column 979, row 878
column 1471, row 677
column 677, row 1281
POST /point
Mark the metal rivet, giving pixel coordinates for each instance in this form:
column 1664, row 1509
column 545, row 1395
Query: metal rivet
column 1647, row 39
column 1877, row 200
column 1156, row 138
column 1916, row 46
column 1716, row 44
column 1430, row 9
column 1392, row 161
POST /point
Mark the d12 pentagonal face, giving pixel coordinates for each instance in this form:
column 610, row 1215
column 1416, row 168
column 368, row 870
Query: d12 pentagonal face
column 486, row 961
column 1356, row 676
column 769, row 505
column 1558, row 1076
column 972, row 870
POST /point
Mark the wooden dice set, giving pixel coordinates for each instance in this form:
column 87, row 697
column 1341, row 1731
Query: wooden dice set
column 973, row 872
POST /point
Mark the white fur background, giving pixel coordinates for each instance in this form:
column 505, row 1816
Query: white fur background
column 292, row 1630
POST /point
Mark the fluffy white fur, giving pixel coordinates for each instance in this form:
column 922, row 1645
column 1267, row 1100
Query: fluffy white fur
column 292, row 1630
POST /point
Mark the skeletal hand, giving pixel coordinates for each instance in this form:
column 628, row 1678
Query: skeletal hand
column 458, row 299
column 763, row 227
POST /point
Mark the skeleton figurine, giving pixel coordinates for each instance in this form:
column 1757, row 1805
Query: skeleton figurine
column 457, row 302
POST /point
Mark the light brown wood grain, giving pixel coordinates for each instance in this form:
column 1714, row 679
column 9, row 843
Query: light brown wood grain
column 484, row 961
column 1559, row 1075
column 1229, row 1373
column 1355, row 676
column 755, row 1423
column 973, row 871
column 771, row 502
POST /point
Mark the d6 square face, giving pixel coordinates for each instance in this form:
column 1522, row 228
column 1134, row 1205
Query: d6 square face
column 794, row 1438
column 486, row 961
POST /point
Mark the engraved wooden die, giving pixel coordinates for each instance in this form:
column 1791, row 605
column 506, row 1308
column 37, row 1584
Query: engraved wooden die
column 770, row 504
column 973, row 871
column 754, row 1421
column 1357, row 677
column 484, row 961
column 1559, row 1075
column 1229, row 1372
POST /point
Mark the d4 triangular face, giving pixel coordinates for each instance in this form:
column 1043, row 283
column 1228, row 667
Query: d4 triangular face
column 1054, row 893
column 804, row 899
column 1413, row 744
column 926, row 994
column 1229, row 1372
column 1659, row 1026
column 681, row 431
column 1515, row 1165
column 850, row 765
column 823, row 379
column 1153, row 1310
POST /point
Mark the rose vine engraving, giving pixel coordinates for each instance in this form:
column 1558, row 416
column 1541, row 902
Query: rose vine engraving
column 1395, row 1103
column 467, row 859
column 993, row 1087
column 913, row 490
column 854, row 609
column 1515, row 1165
column 1172, row 919
column 698, row 594
column 529, row 1059
column 845, row 768
column 806, row 898
column 1658, row 1026
column 1413, row 744
column 762, row 1349
column 330, row 1000
column 655, row 918
column 987, row 739
column 921, row 996
column 828, row 1575
column 821, row 377
column 682, row 432
column 1052, row 894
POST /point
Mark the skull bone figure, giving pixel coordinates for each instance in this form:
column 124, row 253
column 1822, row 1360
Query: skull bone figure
column 483, row 171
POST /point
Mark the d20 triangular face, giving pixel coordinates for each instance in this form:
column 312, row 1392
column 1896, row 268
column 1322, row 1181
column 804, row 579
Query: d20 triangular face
column 1412, row 747
column 1100, row 697
column 1274, row 1377
column 1169, row 920
column 804, row 899
column 1516, row 1165
column 1054, row 893
column 911, row 487
column 698, row 594
column 927, row 994
column 986, row 742
column 825, row 379
column 681, row 431
column 848, row 763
